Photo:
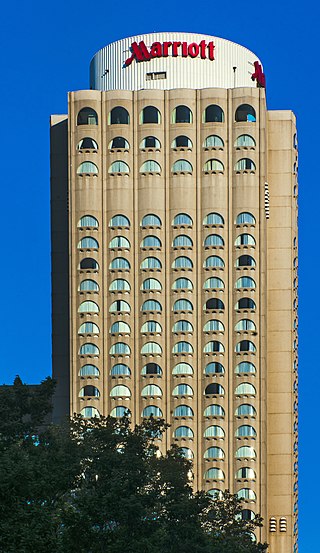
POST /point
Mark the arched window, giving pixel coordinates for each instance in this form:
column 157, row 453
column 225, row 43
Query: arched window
column 214, row 410
column 151, row 369
column 182, row 241
column 151, row 348
column 245, row 282
column 120, row 348
column 119, row 167
column 245, row 431
column 214, row 474
column 182, row 368
column 151, row 242
column 89, row 370
column 213, row 240
column 119, row 285
column 213, row 326
column 245, row 324
column 245, row 164
column 214, row 304
column 181, row 142
column 182, row 347
column 213, row 347
column 150, row 114
column 213, row 142
column 245, row 452
column 182, row 390
column 214, row 368
column 119, row 263
column 87, row 168
column 182, row 262
column 181, row 114
column 151, row 284
column 89, row 349
column 88, row 243
column 150, row 263
column 245, row 141
column 88, row 286
column 182, row 219
column 120, row 411
column 183, row 432
column 87, row 116
column 183, row 411
column 246, row 473
column 151, row 390
column 213, row 219
column 150, row 166
column 151, row 411
column 151, row 305
column 119, row 306
column 182, row 284
column 182, row 326
column 88, row 221
column 245, row 261
column 245, row 346
column 246, row 514
column 87, row 144
column 245, row 303
column 89, row 263
column 119, row 221
column 120, row 391
column 213, row 114
column 213, row 166
column 214, row 389
column 245, row 367
column 120, row 370
column 245, row 113
column 214, row 431
column 246, row 493
column 151, row 326
column 186, row 452
column 89, row 391
column 245, row 240
column 151, row 220
column 150, row 142
column 119, row 143
column 88, row 328
column 214, row 453
column 182, row 166
column 213, row 261
column 89, row 412
column 88, row 307
column 119, row 116
column 245, row 410
column 182, row 305
column 245, row 218
column 120, row 327
column 119, row 242
column 215, row 493
column 245, row 389
column 213, row 282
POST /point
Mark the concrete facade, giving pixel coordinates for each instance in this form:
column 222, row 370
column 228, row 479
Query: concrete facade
column 174, row 267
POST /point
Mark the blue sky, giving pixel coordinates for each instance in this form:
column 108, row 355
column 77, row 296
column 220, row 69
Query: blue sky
column 45, row 51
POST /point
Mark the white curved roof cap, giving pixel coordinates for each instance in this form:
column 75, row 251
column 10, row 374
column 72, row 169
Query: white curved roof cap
column 166, row 61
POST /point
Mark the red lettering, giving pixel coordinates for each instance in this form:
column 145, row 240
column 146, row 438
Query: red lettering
column 258, row 75
column 193, row 50
column 175, row 46
column 139, row 52
column 156, row 50
column 144, row 50
column 211, row 50
column 184, row 49
column 165, row 48
column 203, row 49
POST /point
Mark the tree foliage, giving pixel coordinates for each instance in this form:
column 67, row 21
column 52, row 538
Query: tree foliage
column 99, row 485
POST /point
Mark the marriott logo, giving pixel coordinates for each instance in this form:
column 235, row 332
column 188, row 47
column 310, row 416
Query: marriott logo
column 140, row 52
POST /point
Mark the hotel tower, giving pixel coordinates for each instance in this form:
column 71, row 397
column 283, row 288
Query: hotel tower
column 174, row 262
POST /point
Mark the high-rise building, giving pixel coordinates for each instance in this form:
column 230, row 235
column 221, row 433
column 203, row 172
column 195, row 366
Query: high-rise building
column 174, row 261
